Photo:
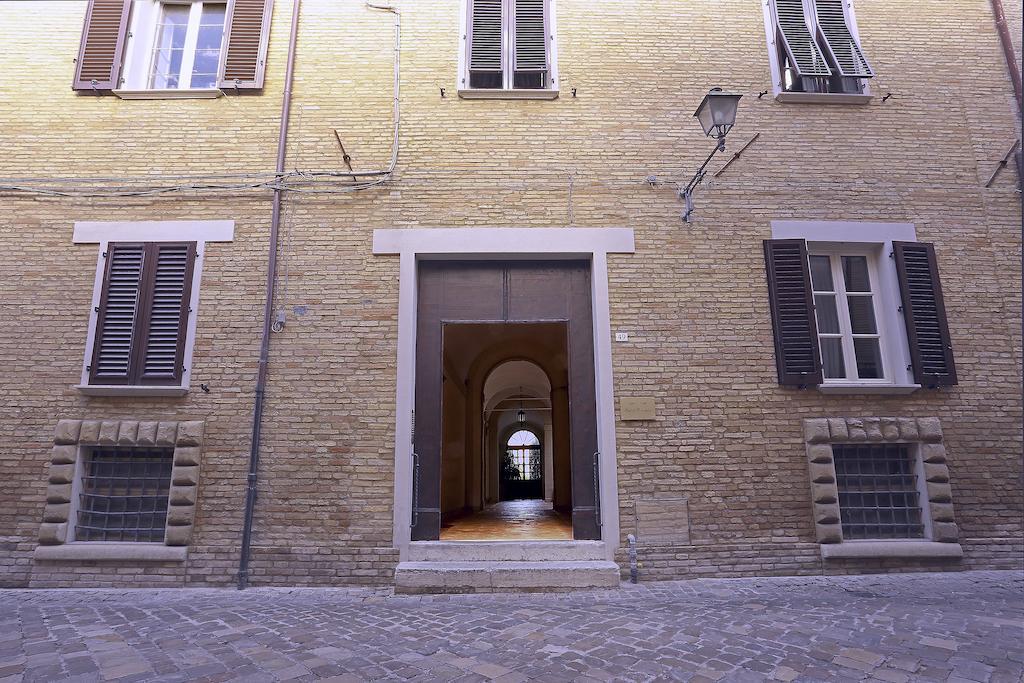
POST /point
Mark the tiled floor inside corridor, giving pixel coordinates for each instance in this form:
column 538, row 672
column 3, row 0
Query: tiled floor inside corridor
column 511, row 520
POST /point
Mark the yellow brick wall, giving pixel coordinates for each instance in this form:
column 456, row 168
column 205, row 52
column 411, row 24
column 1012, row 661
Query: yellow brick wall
column 693, row 296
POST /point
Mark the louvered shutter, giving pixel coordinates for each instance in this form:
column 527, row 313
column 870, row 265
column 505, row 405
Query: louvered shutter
column 119, row 307
column 797, row 357
column 802, row 47
column 931, row 350
column 247, row 34
column 485, row 35
column 102, row 48
column 531, row 44
column 164, row 320
column 838, row 39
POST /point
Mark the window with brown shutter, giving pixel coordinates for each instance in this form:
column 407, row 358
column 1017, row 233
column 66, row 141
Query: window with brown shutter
column 143, row 314
column 174, row 45
column 797, row 357
column 931, row 349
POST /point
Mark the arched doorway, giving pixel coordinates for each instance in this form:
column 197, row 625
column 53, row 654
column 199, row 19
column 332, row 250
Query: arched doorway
column 521, row 472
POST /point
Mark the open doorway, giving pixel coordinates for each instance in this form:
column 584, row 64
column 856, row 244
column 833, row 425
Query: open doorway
column 505, row 457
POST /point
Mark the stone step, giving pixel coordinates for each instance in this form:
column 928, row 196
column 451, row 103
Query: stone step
column 493, row 577
column 506, row 551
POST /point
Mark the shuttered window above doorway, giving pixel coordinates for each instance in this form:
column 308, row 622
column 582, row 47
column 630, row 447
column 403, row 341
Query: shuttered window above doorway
column 508, row 48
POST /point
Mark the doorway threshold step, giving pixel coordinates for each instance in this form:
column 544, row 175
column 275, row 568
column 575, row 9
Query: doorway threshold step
column 506, row 551
column 505, row 576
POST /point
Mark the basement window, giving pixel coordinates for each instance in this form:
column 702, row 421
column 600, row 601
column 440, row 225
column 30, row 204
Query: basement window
column 123, row 494
column 878, row 491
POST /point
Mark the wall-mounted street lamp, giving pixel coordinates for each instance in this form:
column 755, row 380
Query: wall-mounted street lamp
column 717, row 115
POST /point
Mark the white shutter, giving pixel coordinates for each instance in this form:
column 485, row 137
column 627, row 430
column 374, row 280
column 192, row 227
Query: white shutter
column 839, row 41
column 531, row 44
column 485, row 35
column 804, row 52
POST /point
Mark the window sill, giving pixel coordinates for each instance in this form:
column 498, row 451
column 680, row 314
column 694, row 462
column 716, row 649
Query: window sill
column 866, row 388
column 822, row 98
column 170, row 94
column 111, row 552
column 884, row 549
column 498, row 94
column 125, row 390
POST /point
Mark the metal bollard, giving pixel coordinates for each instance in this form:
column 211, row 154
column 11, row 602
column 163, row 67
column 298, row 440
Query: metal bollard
column 633, row 571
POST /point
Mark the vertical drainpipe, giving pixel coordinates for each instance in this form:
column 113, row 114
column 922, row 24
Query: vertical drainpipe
column 1008, row 53
column 268, row 308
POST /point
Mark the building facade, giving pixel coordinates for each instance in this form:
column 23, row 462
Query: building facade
column 478, row 233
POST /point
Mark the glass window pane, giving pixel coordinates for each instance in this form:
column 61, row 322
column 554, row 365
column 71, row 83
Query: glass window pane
column 821, row 274
column 862, row 315
column 855, row 274
column 869, row 358
column 832, row 358
column 825, row 310
column 211, row 27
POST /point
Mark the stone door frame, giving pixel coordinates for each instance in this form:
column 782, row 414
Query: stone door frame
column 417, row 244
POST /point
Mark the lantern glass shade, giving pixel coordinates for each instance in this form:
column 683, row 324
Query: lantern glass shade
column 521, row 416
column 717, row 112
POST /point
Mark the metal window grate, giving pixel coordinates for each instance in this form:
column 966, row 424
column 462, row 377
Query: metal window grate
column 526, row 461
column 124, row 494
column 878, row 495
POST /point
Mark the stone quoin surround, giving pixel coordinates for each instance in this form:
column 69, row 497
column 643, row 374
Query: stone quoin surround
column 924, row 433
column 71, row 436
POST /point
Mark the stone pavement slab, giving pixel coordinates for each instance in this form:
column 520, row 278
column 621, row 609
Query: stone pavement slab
column 905, row 628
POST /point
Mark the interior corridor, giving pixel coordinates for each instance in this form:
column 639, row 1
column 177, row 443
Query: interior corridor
column 511, row 520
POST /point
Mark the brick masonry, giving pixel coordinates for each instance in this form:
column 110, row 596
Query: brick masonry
column 693, row 297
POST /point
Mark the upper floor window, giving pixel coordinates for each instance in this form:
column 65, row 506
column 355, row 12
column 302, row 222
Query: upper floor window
column 141, row 321
column 187, row 45
column 849, row 335
column 508, row 46
column 183, row 48
column 814, row 47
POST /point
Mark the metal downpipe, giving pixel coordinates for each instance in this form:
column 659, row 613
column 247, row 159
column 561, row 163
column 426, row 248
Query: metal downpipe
column 1008, row 53
column 268, row 309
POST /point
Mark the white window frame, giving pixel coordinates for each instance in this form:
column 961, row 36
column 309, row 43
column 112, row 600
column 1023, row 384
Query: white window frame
column 846, row 335
column 462, row 79
column 778, row 92
column 104, row 233
column 875, row 241
column 142, row 37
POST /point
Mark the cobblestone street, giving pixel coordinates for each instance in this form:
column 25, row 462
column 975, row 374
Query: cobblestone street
column 914, row 627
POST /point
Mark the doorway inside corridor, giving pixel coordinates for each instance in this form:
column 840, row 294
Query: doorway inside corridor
column 505, row 459
column 505, row 439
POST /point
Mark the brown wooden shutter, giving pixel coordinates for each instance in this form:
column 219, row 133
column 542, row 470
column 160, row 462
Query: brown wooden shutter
column 161, row 336
column 143, row 315
column 247, row 34
column 115, row 322
column 931, row 349
column 102, row 48
column 797, row 357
